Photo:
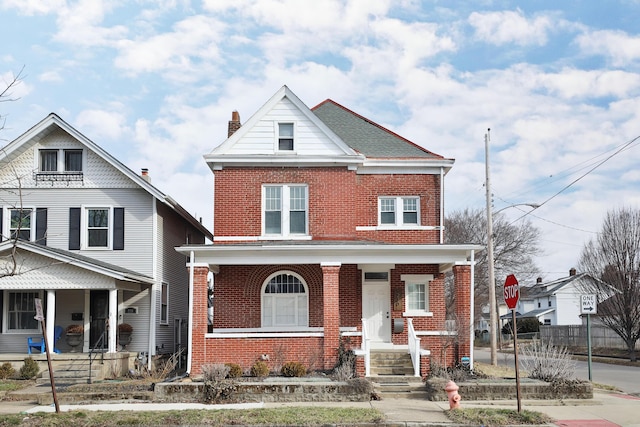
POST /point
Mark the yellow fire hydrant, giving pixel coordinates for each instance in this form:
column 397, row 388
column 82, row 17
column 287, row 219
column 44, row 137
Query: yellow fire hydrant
column 452, row 392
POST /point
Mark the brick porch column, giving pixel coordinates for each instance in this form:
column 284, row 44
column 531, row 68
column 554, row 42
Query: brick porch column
column 462, row 283
column 331, row 293
column 199, row 319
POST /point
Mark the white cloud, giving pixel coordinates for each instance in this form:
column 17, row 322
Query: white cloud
column 191, row 47
column 621, row 48
column 98, row 125
column 34, row 7
column 506, row 27
column 79, row 24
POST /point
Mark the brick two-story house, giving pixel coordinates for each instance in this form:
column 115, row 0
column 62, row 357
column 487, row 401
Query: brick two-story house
column 328, row 228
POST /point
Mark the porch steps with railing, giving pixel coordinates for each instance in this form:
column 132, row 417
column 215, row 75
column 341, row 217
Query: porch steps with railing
column 392, row 375
column 73, row 372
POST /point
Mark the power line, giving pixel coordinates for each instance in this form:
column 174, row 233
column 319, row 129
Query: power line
column 618, row 151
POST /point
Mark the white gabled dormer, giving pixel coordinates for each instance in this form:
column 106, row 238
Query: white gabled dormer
column 283, row 132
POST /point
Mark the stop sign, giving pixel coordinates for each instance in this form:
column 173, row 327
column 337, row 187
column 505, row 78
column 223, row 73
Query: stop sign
column 511, row 291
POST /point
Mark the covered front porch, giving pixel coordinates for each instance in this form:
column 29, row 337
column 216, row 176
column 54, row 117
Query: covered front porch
column 73, row 290
column 279, row 302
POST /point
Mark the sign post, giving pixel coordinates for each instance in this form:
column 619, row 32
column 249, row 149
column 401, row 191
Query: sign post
column 40, row 317
column 511, row 297
column 588, row 306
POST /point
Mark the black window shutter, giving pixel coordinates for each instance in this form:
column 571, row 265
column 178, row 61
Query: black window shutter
column 1, row 211
column 41, row 226
column 74, row 229
column 118, row 229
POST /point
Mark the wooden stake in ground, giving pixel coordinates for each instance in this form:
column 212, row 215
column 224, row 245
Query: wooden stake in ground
column 40, row 316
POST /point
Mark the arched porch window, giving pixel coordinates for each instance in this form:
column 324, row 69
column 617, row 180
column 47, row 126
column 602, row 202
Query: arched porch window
column 285, row 301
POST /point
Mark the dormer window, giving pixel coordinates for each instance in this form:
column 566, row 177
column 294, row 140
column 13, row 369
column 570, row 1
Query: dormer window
column 60, row 165
column 48, row 160
column 285, row 136
column 73, row 160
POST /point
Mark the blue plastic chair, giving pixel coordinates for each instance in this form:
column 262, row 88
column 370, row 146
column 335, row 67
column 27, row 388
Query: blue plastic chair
column 38, row 343
column 35, row 343
column 57, row 333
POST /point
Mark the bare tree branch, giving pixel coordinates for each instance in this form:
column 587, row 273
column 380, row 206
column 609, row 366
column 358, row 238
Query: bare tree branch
column 614, row 258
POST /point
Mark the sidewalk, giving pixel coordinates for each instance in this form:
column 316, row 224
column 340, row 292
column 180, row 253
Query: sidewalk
column 604, row 410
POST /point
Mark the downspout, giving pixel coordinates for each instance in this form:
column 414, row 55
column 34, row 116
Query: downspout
column 471, row 311
column 190, row 325
column 153, row 303
column 441, row 205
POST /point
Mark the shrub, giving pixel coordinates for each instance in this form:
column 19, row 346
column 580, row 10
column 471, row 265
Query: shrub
column 293, row 369
column 29, row 369
column 215, row 372
column 6, row 371
column 548, row 363
column 260, row 369
column 235, row 370
column 526, row 325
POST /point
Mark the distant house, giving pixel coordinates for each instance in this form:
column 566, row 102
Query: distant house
column 328, row 233
column 553, row 303
column 92, row 240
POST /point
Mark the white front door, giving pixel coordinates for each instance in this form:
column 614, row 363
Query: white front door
column 376, row 310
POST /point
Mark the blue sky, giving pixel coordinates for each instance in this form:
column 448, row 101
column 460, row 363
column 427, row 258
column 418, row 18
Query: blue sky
column 155, row 82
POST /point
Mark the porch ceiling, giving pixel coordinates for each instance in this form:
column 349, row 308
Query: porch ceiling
column 271, row 253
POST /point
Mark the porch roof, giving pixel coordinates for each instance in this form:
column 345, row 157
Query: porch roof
column 77, row 260
column 329, row 252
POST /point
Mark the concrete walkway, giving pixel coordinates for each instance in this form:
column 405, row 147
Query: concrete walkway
column 604, row 410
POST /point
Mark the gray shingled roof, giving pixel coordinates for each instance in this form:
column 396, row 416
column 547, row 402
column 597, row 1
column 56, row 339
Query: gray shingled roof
column 365, row 136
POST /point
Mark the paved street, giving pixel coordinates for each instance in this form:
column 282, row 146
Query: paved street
column 626, row 378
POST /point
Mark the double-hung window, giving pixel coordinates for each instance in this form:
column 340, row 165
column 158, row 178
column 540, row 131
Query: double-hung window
column 20, row 309
column 98, row 225
column 416, row 291
column 20, row 224
column 285, row 136
column 26, row 223
column 285, row 209
column 285, row 301
column 399, row 211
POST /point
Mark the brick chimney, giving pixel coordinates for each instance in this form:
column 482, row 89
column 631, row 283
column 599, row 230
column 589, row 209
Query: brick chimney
column 234, row 123
column 145, row 175
column 572, row 272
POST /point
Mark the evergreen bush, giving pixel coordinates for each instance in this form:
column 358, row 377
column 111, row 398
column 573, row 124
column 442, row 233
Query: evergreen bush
column 260, row 369
column 6, row 371
column 293, row 369
column 235, row 370
column 29, row 369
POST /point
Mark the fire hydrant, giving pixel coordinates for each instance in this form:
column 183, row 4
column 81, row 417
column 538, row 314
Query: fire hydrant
column 452, row 392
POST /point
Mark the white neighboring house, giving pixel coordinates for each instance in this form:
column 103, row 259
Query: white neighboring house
column 553, row 303
column 94, row 241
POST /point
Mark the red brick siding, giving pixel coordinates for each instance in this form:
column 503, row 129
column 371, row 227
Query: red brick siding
column 331, row 300
column 339, row 200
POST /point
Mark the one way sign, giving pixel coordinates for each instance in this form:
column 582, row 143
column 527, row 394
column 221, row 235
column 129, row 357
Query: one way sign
column 588, row 304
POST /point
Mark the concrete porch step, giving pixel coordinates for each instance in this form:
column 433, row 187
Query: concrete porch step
column 399, row 387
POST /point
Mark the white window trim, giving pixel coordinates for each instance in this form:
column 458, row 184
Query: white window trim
column 416, row 279
column 285, row 210
column 276, row 143
column 399, row 211
column 166, row 321
column 84, row 232
column 60, row 160
column 262, row 308
column 6, row 218
column 5, row 316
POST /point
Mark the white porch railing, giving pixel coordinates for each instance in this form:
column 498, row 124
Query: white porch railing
column 366, row 349
column 414, row 348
